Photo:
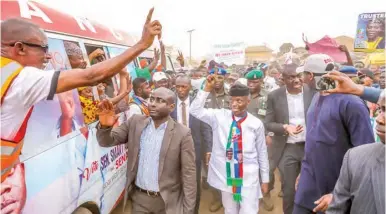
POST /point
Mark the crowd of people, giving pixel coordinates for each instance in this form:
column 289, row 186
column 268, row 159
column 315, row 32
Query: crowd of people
column 225, row 128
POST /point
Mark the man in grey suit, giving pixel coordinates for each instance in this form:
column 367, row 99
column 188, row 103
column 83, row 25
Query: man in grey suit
column 361, row 184
column 286, row 115
column 201, row 132
column 161, row 167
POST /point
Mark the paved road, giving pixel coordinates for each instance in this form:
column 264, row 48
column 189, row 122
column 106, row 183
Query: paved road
column 206, row 199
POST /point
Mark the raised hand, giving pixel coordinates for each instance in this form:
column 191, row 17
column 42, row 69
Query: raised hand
column 156, row 54
column 343, row 48
column 180, row 59
column 343, row 84
column 151, row 29
column 129, row 84
column 107, row 117
column 162, row 46
column 209, row 84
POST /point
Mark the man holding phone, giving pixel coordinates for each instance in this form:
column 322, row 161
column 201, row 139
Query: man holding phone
column 335, row 123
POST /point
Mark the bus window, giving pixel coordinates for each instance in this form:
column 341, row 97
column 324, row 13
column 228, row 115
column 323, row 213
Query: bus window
column 75, row 55
column 111, row 90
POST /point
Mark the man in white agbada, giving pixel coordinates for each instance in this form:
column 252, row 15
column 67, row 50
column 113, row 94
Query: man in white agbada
column 239, row 151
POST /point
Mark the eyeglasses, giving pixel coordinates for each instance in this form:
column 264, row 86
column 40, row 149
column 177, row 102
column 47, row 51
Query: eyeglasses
column 43, row 47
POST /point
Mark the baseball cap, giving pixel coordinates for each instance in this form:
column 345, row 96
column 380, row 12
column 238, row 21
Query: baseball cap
column 366, row 72
column 317, row 64
column 157, row 76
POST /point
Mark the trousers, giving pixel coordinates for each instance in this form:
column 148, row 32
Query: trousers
column 248, row 205
column 145, row 204
column 289, row 166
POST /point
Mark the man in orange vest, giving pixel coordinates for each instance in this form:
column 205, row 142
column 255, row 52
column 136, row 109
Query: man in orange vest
column 24, row 52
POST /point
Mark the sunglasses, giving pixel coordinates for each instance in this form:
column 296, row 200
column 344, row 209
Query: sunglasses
column 42, row 47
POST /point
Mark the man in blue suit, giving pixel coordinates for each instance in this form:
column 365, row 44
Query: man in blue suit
column 201, row 132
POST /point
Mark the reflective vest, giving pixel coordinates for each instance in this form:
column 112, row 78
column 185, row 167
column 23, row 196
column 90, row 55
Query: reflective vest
column 11, row 148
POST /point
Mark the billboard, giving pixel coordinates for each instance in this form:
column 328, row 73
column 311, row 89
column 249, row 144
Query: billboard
column 370, row 35
column 230, row 53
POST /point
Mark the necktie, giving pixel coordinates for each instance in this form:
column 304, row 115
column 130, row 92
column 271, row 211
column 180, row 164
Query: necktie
column 184, row 119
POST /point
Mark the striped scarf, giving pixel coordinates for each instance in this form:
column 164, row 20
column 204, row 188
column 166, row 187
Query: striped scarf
column 234, row 157
column 141, row 103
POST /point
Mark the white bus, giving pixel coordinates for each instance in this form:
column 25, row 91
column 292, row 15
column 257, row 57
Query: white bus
column 68, row 172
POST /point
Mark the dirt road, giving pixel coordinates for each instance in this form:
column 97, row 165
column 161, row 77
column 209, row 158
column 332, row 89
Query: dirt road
column 206, row 199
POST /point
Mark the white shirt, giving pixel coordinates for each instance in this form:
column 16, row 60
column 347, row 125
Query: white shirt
column 296, row 116
column 255, row 156
column 270, row 84
column 133, row 109
column 179, row 110
column 30, row 86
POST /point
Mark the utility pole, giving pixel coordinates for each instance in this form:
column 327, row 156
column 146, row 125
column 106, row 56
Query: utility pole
column 190, row 45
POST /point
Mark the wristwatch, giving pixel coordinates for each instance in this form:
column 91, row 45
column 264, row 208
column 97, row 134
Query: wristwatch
column 271, row 134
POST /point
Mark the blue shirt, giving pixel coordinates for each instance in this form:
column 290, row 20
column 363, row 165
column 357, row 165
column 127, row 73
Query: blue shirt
column 148, row 160
column 335, row 123
column 371, row 94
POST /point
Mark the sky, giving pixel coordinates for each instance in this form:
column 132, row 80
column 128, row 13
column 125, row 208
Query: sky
column 253, row 22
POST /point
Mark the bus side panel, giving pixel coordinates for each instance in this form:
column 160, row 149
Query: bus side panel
column 63, row 165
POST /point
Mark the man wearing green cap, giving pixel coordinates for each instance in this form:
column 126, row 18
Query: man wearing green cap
column 258, row 107
column 258, row 104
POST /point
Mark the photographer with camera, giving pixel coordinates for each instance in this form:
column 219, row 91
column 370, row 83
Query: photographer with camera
column 335, row 123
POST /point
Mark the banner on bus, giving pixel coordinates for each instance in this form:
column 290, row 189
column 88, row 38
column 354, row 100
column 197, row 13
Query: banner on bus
column 370, row 35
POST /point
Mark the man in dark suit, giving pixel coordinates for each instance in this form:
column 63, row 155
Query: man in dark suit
column 201, row 132
column 161, row 161
column 286, row 116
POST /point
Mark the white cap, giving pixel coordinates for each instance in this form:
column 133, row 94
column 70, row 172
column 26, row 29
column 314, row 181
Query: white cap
column 159, row 75
column 316, row 63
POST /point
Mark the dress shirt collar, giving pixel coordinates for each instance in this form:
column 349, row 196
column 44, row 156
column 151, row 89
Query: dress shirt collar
column 179, row 102
column 301, row 93
column 162, row 126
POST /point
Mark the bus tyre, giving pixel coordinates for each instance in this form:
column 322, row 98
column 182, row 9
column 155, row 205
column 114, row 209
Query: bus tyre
column 82, row 210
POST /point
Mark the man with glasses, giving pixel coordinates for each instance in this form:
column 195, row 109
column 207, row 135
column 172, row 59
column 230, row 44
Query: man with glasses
column 24, row 53
column 286, row 118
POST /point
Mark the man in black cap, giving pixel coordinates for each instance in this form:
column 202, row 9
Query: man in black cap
column 239, row 151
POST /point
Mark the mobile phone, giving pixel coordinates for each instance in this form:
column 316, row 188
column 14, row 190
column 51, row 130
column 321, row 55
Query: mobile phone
column 326, row 84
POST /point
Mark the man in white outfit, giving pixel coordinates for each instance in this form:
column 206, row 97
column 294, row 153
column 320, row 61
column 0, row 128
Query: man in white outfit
column 239, row 151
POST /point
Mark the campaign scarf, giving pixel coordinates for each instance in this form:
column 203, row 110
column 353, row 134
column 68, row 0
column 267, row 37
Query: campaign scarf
column 141, row 103
column 234, row 158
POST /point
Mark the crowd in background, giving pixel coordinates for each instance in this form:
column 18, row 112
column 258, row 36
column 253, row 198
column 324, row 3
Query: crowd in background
column 226, row 128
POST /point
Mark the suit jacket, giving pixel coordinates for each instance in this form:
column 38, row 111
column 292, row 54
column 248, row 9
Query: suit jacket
column 177, row 169
column 361, row 184
column 201, row 133
column 277, row 115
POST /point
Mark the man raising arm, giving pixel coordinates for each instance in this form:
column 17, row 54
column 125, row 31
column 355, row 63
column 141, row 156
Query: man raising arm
column 24, row 52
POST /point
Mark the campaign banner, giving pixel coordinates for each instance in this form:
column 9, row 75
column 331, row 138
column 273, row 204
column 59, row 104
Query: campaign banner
column 370, row 35
column 231, row 53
